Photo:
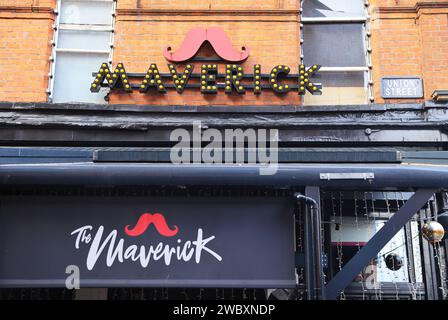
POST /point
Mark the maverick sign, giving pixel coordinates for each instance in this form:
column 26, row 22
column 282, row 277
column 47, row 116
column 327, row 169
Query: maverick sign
column 209, row 80
column 147, row 241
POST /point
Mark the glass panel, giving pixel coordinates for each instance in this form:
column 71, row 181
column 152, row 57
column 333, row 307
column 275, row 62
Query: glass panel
column 338, row 96
column 74, row 76
column 334, row 45
column 396, row 246
column 416, row 252
column 333, row 8
column 89, row 40
column 86, row 12
column 340, row 79
column 354, row 231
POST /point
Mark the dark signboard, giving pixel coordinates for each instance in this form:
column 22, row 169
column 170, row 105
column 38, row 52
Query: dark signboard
column 401, row 87
column 147, row 241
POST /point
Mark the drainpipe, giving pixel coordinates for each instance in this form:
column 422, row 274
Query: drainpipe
column 314, row 275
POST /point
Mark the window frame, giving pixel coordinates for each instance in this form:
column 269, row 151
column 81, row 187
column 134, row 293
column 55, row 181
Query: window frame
column 364, row 20
column 57, row 26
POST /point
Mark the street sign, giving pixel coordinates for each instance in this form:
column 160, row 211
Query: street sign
column 401, row 87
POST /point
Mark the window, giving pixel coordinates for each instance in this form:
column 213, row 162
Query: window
column 334, row 36
column 352, row 219
column 83, row 39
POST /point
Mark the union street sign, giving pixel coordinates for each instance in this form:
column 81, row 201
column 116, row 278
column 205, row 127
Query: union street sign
column 401, row 87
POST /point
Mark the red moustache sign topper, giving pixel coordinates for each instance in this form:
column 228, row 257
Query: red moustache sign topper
column 145, row 220
column 217, row 39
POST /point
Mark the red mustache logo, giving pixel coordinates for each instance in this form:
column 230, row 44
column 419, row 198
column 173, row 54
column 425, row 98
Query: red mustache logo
column 217, row 38
column 145, row 220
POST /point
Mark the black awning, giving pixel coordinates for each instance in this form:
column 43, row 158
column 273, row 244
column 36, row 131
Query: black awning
column 372, row 176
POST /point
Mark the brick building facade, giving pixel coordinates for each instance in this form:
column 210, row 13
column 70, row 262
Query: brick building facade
column 407, row 37
column 349, row 160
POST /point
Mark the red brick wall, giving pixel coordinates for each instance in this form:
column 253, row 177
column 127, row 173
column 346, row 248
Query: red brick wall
column 269, row 28
column 410, row 38
column 434, row 36
column 25, row 35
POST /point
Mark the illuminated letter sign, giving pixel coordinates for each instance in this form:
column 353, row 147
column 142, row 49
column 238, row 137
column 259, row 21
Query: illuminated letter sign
column 209, row 80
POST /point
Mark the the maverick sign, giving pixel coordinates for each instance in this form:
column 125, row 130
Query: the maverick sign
column 147, row 241
column 115, row 250
column 209, row 79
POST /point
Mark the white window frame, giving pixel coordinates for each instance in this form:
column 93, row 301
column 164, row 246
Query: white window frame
column 367, row 43
column 62, row 26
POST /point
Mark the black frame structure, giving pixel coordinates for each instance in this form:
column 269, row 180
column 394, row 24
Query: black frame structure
column 425, row 180
column 319, row 147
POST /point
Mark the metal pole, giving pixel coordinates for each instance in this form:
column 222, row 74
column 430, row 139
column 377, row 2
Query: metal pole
column 410, row 252
column 315, row 261
column 309, row 249
column 425, row 258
